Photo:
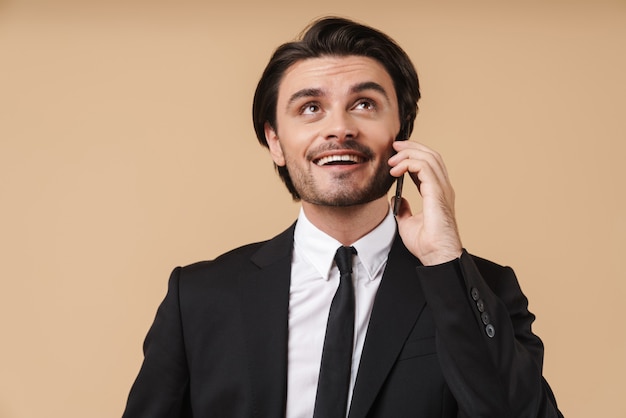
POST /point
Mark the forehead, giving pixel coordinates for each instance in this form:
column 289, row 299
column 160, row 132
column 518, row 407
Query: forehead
column 335, row 74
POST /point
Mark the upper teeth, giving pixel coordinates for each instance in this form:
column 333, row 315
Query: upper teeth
column 333, row 158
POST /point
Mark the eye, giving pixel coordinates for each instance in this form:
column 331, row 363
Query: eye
column 310, row 108
column 365, row 104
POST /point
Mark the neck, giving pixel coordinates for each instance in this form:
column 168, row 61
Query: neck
column 347, row 224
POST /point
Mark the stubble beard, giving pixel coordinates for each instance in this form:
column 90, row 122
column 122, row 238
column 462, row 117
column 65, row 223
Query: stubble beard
column 346, row 192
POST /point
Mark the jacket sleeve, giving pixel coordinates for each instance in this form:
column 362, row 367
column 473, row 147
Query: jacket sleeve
column 161, row 389
column 489, row 355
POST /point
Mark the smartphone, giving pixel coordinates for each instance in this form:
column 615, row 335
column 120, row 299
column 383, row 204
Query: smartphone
column 402, row 136
column 398, row 195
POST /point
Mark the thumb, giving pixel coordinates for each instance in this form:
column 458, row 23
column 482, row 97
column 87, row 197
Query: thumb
column 404, row 210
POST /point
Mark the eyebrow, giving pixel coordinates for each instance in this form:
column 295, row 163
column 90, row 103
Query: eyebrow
column 305, row 93
column 357, row 88
column 369, row 85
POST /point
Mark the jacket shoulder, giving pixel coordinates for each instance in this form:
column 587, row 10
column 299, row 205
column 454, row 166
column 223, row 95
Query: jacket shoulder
column 255, row 254
column 231, row 257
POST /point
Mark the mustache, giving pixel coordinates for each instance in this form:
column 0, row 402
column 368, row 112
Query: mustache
column 346, row 145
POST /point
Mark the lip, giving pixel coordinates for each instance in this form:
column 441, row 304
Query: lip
column 347, row 155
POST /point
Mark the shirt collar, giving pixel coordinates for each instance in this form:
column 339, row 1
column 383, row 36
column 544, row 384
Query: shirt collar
column 319, row 248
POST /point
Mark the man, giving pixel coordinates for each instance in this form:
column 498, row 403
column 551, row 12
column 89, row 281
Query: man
column 432, row 330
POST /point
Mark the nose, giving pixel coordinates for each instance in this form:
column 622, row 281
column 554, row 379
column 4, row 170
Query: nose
column 340, row 126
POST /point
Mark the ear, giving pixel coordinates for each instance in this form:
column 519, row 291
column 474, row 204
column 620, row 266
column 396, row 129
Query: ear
column 274, row 145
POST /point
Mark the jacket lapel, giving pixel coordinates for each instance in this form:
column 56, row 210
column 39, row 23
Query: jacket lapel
column 265, row 305
column 398, row 304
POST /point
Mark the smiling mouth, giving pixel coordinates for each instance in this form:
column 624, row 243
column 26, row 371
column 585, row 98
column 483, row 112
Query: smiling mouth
column 346, row 159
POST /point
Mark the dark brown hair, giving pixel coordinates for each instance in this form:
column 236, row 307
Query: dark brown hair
column 333, row 36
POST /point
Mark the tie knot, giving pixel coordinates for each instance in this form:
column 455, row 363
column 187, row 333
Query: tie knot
column 343, row 258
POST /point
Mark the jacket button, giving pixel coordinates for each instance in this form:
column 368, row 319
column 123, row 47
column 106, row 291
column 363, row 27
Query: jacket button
column 475, row 294
column 490, row 330
column 480, row 304
column 485, row 318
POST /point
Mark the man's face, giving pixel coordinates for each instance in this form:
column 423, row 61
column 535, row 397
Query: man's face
column 336, row 119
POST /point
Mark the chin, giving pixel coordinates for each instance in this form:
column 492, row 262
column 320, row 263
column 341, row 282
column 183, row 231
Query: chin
column 348, row 199
column 346, row 193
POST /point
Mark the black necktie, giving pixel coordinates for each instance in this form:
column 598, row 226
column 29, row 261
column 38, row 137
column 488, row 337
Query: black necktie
column 334, row 380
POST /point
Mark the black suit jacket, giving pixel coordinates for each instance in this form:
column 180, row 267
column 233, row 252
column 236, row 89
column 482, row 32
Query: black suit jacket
column 453, row 340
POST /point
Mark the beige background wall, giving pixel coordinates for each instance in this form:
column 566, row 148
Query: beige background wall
column 126, row 148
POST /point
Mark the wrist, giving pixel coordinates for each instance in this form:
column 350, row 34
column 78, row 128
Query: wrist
column 441, row 257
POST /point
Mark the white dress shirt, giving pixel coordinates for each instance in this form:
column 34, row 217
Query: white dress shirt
column 314, row 281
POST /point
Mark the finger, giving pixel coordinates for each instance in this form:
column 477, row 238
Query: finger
column 421, row 171
column 415, row 151
column 434, row 162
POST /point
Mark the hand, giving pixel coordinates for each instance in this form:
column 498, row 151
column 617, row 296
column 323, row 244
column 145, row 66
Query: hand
column 431, row 235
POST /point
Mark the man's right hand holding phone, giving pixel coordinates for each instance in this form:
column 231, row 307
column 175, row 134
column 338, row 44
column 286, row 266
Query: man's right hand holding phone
column 432, row 234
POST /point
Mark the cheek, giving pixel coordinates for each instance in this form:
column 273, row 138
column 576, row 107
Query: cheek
column 384, row 139
column 296, row 142
column 382, row 130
